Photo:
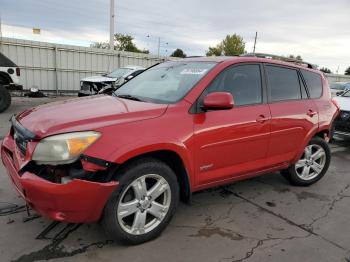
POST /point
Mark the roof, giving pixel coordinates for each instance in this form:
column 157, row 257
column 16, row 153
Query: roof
column 237, row 59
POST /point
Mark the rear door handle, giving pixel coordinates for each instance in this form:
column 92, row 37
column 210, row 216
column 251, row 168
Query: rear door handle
column 311, row 113
column 261, row 119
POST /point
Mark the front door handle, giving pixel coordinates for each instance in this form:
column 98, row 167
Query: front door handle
column 261, row 119
column 311, row 113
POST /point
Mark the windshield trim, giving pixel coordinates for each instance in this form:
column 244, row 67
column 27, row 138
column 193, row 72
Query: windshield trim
column 158, row 101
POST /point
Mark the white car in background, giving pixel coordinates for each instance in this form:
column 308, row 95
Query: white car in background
column 107, row 83
column 342, row 122
column 9, row 81
column 338, row 87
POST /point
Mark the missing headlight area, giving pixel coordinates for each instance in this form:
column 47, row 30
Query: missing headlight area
column 63, row 174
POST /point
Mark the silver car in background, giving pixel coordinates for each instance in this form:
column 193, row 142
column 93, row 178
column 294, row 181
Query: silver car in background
column 109, row 82
column 338, row 87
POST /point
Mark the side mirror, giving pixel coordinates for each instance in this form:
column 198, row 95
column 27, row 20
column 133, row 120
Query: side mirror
column 218, row 101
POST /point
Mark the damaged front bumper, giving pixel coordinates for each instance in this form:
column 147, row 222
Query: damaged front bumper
column 79, row 201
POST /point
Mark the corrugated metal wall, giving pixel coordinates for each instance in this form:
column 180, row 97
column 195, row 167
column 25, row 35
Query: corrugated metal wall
column 54, row 67
column 337, row 78
column 60, row 67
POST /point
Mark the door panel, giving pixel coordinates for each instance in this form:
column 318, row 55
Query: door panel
column 293, row 115
column 290, row 124
column 231, row 142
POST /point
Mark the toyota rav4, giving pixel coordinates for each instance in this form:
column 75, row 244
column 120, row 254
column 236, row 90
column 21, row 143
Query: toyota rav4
column 177, row 128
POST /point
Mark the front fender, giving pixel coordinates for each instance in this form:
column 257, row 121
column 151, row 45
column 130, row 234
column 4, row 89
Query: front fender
column 134, row 150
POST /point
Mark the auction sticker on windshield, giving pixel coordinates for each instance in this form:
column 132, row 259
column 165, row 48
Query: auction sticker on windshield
column 193, row 71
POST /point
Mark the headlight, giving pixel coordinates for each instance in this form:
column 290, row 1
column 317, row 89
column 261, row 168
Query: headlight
column 63, row 148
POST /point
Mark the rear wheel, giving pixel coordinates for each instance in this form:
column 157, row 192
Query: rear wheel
column 312, row 165
column 144, row 203
column 5, row 98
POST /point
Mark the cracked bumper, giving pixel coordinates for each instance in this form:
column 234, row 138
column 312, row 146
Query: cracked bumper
column 79, row 201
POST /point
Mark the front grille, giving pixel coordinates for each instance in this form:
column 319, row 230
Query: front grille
column 21, row 136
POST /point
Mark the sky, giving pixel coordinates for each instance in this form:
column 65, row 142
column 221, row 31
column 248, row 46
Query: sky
column 317, row 30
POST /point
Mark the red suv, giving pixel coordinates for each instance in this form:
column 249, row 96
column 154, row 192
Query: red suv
column 177, row 128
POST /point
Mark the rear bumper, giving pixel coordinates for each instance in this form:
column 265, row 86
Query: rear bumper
column 79, row 201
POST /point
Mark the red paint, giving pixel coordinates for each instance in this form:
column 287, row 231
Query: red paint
column 218, row 100
column 216, row 147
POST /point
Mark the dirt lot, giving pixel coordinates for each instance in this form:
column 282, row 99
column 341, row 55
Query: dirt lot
column 262, row 219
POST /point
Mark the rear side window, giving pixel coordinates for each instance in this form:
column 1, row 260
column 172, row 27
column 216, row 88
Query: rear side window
column 313, row 83
column 242, row 81
column 284, row 83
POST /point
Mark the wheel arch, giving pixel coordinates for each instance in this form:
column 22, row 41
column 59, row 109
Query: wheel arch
column 323, row 133
column 174, row 161
column 4, row 76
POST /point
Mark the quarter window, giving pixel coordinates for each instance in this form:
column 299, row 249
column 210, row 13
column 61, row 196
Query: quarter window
column 313, row 83
column 284, row 83
column 242, row 81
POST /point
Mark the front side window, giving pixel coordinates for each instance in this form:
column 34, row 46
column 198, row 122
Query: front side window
column 242, row 81
column 313, row 83
column 284, row 83
column 165, row 83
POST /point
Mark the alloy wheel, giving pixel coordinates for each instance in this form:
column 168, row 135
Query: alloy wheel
column 144, row 204
column 311, row 163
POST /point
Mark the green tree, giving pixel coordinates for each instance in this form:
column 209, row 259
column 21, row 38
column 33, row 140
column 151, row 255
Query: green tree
column 298, row 57
column 214, row 51
column 326, row 70
column 178, row 53
column 102, row 45
column 122, row 42
column 347, row 71
column 232, row 45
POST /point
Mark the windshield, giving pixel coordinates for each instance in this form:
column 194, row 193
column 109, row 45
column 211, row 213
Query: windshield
column 119, row 72
column 167, row 82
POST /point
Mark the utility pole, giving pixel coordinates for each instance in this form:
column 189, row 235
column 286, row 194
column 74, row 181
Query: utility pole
column 111, row 25
column 256, row 36
column 0, row 36
column 158, row 47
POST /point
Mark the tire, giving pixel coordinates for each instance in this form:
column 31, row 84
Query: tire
column 311, row 167
column 5, row 99
column 124, row 230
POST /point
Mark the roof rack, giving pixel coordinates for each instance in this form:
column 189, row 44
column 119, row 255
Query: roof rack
column 281, row 58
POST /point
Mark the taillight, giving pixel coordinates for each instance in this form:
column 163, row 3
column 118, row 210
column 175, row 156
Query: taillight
column 18, row 71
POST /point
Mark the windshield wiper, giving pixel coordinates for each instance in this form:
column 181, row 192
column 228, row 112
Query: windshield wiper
column 131, row 97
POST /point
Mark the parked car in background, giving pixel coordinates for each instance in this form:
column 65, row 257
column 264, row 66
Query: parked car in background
column 9, row 80
column 177, row 128
column 109, row 82
column 342, row 122
column 338, row 87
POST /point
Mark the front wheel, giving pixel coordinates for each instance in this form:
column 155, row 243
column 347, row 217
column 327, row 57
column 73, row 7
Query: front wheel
column 142, row 206
column 312, row 165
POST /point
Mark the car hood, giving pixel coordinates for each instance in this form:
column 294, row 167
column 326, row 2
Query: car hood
column 87, row 113
column 98, row 79
column 344, row 102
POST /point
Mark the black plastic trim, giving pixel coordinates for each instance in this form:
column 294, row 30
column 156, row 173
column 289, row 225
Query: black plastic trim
column 96, row 161
column 22, row 130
